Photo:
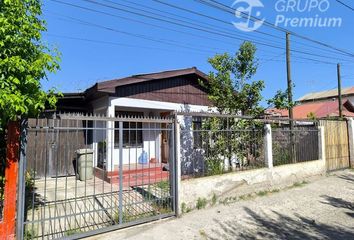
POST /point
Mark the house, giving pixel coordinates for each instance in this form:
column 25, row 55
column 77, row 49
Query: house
column 146, row 95
column 319, row 105
column 324, row 96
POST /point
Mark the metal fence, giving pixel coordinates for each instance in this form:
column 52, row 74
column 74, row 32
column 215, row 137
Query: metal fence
column 88, row 174
column 300, row 144
column 215, row 144
column 212, row 145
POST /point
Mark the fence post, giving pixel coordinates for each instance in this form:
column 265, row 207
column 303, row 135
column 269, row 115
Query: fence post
column 268, row 146
column 322, row 143
column 7, row 226
column 177, row 166
column 21, row 181
column 120, row 172
column 351, row 141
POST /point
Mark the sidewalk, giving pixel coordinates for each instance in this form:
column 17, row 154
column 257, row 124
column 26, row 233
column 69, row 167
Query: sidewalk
column 323, row 209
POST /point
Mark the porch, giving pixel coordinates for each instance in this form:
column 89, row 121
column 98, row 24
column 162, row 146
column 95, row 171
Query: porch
column 135, row 174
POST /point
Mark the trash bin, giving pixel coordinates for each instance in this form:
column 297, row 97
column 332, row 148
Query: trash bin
column 84, row 158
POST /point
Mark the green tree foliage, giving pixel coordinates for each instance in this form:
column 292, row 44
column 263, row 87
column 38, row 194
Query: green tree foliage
column 311, row 116
column 232, row 92
column 24, row 61
column 281, row 100
column 229, row 86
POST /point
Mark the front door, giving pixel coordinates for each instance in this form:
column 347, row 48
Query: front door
column 164, row 140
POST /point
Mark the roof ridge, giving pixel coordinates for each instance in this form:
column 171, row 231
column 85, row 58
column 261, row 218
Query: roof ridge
column 327, row 93
column 164, row 71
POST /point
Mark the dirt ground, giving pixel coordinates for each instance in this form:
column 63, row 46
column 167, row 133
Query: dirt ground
column 320, row 209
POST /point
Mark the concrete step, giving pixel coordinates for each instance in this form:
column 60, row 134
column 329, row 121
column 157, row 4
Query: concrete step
column 140, row 179
column 134, row 177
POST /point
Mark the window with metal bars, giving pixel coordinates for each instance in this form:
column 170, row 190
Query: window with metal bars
column 132, row 131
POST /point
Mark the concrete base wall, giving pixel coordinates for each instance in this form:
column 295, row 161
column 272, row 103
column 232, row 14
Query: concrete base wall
column 241, row 183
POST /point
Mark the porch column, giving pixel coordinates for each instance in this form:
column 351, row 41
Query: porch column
column 110, row 139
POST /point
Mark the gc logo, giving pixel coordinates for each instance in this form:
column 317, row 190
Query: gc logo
column 246, row 13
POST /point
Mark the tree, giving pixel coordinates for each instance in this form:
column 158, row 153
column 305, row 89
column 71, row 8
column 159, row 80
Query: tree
column 281, row 100
column 229, row 88
column 24, row 61
column 231, row 92
column 311, row 116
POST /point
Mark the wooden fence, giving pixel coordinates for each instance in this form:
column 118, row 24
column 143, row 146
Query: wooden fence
column 336, row 143
column 53, row 149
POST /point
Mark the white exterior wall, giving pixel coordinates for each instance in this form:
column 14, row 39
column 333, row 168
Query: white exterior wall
column 151, row 139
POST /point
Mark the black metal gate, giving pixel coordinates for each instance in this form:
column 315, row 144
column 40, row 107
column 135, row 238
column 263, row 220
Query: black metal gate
column 84, row 175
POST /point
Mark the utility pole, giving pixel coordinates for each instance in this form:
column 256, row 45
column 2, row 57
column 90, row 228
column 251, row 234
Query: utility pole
column 288, row 71
column 290, row 98
column 339, row 91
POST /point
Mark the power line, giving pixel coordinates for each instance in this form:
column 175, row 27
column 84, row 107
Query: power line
column 345, row 5
column 163, row 41
column 223, row 7
column 166, row 28
column 211, row 17
column 218, row 28
column 257, row 31
column 179, row 16
column 212, row 31
column 173, row 21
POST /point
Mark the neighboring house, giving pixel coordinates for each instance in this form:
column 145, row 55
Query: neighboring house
column 320, row 105
column 149, row 95
column 347, row 93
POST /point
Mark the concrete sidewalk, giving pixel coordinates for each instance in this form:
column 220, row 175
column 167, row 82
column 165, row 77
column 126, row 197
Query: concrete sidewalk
column 322, row 209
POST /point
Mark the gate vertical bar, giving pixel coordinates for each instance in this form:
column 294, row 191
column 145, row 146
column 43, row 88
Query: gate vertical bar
column 21, row 181
column 120, row 172
column 176, row 163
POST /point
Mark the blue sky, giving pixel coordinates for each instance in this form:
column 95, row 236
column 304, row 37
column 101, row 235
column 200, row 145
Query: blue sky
column 110, row 44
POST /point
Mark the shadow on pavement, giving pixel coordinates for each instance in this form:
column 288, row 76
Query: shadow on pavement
column 338, row 202
column 277, row 226
column 349, row 178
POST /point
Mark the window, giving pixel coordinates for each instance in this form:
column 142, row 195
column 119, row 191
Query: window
column 132, row 133
column 197, row 133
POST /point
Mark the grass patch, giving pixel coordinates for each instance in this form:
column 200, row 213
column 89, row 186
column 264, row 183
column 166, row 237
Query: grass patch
column 73, row 231
column 164, row 185
column 203, row 234
column 214, row 199
column 299, row 184
column 162, row 206
column 128, row 216
column 185, row 209
column 246, row 197
column 262, row 193
column 201, row 203
column 29, row 234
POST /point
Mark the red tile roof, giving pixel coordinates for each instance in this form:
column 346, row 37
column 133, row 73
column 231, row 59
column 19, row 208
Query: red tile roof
column 319, row 109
